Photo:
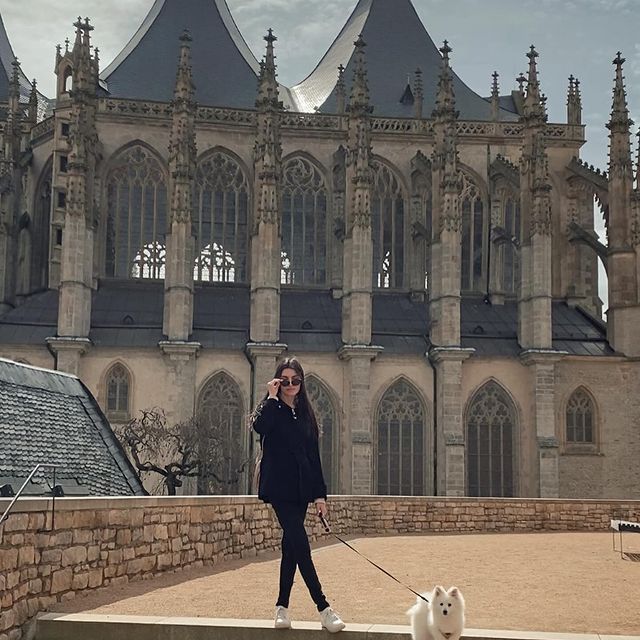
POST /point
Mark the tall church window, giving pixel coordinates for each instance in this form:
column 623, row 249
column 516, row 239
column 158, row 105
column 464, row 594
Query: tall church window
column 388, row 227
column 222, row 443
column 304, row 222
column 118, row 387
column 221, row 218
column 580, row 417
column 490, row 435
column 401, row 449
column 136, row 215
column 326, row 416
column 472, row 210
column 511, row 253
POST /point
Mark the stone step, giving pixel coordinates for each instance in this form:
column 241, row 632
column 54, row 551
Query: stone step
column 82, row 626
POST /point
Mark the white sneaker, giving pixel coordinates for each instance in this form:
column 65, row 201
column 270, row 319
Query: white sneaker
column 331, row 620
column 282, row 620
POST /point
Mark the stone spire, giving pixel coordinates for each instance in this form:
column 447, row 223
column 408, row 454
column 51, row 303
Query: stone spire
column 265, row 240
column 445, row 292
column 533, row 102
column 341, row 91
column 574, row 102
column 32, row 108
column 619, row 125
column 419, row 93
column 182, row 145
column 178, row 281
column 76, row 275
column 14, row 114
column 445, row 98
column 359, row 99
column 267, row 81
column 495, row 97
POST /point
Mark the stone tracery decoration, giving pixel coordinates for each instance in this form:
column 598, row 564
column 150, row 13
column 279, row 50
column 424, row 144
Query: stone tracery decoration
column 401, row 447
column 580, row 418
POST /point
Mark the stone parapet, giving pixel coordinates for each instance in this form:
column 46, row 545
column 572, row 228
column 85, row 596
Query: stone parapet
column 99, row 542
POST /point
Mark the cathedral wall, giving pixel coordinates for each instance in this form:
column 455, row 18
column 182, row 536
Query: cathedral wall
column 611, row 469
column 36, row 356
column 114, row 135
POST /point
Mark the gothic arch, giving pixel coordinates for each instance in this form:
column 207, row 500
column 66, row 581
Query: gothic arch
column 137, row 142
column 491, row 422
column 402, row 440
column 40, row 228
column 474, row 215
column 306, row 211
column 327, row 410
column 580, row 420
column 222, row 210
column 137, row 211
column 389, row 224
column 220, row 411
column 116, row 391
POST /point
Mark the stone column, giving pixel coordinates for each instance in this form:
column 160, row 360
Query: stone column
column 356, row 456
column 542, row 367
column 450, row 432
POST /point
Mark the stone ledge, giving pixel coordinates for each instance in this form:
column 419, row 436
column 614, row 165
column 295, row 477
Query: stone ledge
column 82, row 626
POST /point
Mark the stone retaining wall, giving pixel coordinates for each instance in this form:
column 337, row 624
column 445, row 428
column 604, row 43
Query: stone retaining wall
column 97, row 542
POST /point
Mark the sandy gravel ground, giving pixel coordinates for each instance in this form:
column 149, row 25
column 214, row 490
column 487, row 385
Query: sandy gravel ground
column 570, row 582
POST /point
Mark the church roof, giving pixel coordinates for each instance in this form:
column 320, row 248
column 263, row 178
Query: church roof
column 397, row 44
column 7, row 56
column 225, row 71
column 50, row 417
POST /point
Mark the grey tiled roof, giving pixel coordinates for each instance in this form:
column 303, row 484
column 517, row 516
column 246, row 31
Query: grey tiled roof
column 50, row 417
column 129, row 314
column 397, row 43
column 225, row 71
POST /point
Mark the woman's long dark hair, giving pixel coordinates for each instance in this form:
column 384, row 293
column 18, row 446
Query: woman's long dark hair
column 303, row 406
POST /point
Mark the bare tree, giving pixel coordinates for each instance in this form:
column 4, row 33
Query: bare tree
column 187, row 449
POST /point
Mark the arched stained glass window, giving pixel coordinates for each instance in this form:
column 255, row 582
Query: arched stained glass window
column 388, row 208
column 326, row 416
column 511, row 254
column 222, row 445
column 304, row 222
column 491, row 425
column 473, row 212
column 118, row 385
column 214, row 264
column 150, row 262
column 580, row 418
column 136, row 214
column 221, row 218
column 401, row 423
column 286, row 271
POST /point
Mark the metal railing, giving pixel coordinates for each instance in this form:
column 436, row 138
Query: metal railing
column 7, row 511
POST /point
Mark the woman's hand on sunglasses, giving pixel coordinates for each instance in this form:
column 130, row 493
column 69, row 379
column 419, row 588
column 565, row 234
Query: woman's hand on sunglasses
column 272, row 387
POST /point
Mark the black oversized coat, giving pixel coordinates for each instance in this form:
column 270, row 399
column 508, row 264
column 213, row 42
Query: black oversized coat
column 290, row 470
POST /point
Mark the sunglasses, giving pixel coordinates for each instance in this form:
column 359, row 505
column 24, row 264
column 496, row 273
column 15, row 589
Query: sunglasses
column 294, row 382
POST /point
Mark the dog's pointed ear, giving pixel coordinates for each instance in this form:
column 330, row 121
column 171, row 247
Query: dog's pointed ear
column 454, row 592
column 438, row 591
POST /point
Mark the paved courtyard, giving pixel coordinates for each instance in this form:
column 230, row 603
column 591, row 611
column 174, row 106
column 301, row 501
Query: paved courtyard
column 541, row 581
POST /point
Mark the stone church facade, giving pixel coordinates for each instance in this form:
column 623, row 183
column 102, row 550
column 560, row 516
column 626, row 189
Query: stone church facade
column 169, row 230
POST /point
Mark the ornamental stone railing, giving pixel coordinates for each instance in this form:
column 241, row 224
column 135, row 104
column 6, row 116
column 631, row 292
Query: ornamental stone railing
column 101, row 542
column 466, row 129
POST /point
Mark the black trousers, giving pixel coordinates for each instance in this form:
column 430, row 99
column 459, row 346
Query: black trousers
column 296, row 552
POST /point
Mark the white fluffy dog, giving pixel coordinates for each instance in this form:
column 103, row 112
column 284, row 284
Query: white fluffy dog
column 441, row 619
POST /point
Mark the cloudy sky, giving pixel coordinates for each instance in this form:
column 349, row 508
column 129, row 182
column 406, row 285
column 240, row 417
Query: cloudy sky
column 579, row 37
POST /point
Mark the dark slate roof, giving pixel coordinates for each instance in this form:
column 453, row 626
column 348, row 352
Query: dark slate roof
column 225, row 71
column 397, row 43
column 7, row 56
column 51, row 417
column 129, row 313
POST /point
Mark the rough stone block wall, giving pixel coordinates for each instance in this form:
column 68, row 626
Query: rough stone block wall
column 98, row 543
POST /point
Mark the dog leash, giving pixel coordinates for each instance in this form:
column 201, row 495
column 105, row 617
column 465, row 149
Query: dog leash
column 327, row 529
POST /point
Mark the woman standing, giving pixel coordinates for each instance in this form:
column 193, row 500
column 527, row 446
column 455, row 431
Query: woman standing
column 290, row 478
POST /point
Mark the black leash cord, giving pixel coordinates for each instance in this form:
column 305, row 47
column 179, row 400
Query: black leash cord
column 327, row 529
